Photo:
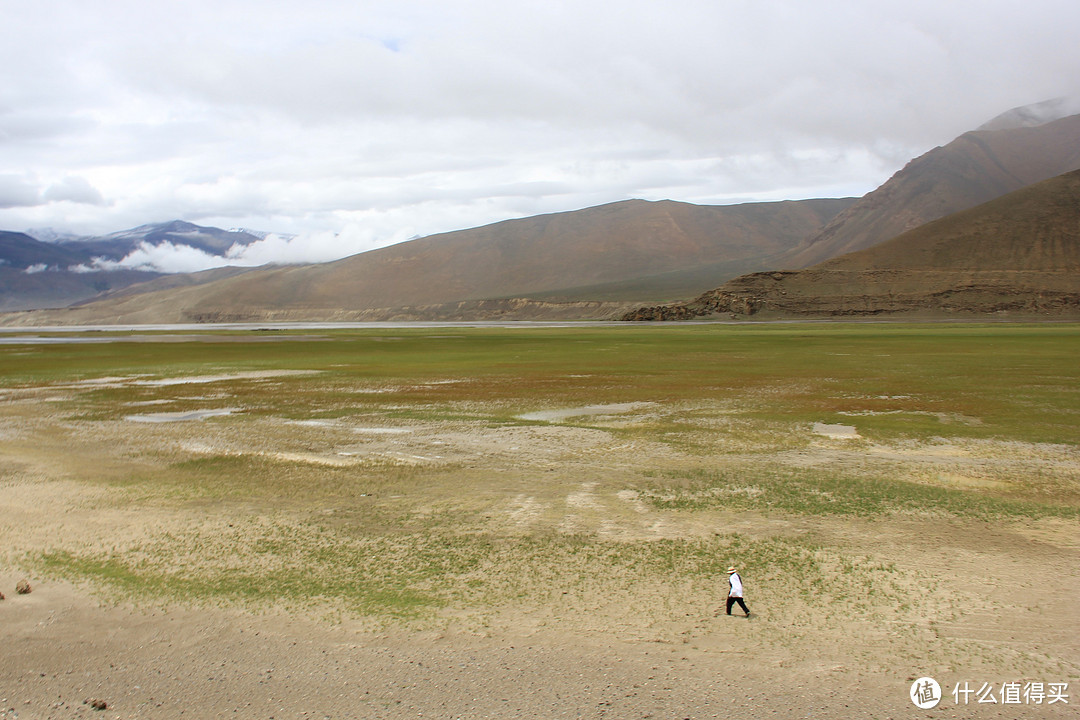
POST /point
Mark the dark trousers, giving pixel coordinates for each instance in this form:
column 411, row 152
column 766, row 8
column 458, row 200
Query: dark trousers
column 732, row 600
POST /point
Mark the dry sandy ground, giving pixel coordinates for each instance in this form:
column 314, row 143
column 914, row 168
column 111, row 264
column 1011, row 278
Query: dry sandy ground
column 62, row 647
column 994, row 604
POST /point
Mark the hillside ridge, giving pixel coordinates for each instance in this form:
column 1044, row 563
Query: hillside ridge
column 975, row 168
column 1017, row 254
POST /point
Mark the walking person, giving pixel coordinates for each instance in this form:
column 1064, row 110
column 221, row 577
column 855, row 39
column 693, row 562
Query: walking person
column 735, row 592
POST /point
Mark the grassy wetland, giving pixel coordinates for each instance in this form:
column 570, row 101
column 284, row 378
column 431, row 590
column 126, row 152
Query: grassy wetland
column 900, row 498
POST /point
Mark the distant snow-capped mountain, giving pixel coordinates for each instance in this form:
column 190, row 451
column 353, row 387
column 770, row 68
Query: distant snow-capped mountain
column 117, row 245
column 49, row 235
column 43, row 268
column 1033, row 115
column 262, row 234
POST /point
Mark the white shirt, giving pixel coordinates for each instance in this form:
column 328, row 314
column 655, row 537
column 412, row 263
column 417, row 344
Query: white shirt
column 736, row 585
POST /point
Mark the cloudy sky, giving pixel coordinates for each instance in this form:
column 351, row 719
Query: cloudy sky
column 357, row 123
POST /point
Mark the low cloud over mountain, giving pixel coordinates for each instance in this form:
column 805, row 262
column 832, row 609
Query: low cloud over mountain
column 35, row 274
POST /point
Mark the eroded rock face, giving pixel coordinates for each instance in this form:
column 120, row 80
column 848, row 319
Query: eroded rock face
column 869, row 294
column 735, row 303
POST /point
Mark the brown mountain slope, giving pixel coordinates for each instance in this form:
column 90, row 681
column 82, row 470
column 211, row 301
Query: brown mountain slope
column 632, row 249
column 1019, row 254
column 975, row 168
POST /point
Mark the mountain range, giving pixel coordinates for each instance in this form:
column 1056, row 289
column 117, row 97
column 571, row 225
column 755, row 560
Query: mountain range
column 67, row 270
column 1017, row 255
column 596, row 260
column 612, row 260
column 974, row 168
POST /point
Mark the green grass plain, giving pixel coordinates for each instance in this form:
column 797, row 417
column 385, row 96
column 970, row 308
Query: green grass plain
column 391, row 540
column 1019, row 380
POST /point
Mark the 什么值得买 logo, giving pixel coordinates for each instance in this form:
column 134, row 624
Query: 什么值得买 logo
column 925, row 693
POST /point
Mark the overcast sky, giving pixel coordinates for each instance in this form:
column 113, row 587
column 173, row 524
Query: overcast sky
column 358, row 123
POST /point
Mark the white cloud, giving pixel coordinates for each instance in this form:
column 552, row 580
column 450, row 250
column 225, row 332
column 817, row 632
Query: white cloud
column 73, row 189
column 353, row 125
column 164, row 257
column 17, row 191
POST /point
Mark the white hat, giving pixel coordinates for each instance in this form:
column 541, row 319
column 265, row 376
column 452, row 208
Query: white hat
column 731, row 570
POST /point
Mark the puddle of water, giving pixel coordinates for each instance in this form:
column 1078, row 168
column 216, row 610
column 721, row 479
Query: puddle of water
column 201, row 379
column 180, row 416
column 556, row 415
column 314, row 423
column 342, row 460
column 338, row 425
column 110, row 381
column 843, row 432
